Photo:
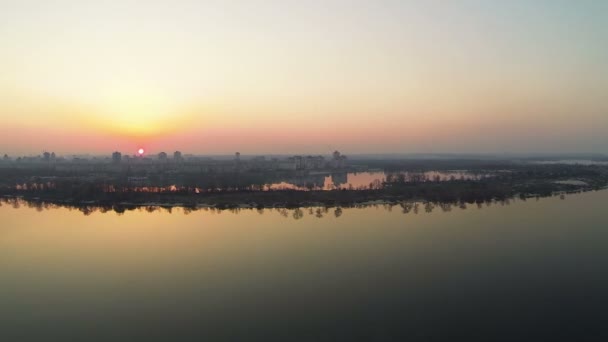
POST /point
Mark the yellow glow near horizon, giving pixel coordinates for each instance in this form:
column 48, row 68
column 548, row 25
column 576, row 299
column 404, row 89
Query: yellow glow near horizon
column 135, row 111
column 303, row 77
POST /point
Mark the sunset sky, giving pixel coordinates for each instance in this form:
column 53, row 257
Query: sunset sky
column 214, row 77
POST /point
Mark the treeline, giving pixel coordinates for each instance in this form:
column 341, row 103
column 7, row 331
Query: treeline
column 219, row 190
column 522, row 181
column 296, row 212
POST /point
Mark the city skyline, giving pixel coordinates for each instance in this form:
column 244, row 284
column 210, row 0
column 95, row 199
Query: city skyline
column 282, row 77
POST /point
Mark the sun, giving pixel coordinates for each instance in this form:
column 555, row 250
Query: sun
column 141, row 151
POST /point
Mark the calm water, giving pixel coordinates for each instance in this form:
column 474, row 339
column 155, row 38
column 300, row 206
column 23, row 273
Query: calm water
column 535, row 270
column 362, row 180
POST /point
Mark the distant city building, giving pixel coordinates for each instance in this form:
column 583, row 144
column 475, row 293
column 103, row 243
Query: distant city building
column 297, row 161
column 259, row 159
column 338, row 161
column 116, row 157
column 288, row 164
column 314, row 162
column 138, row 164
column 177, row 156
column 308, row 162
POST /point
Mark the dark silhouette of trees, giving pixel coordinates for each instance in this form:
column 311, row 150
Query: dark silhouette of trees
column 338, row 212
column 229, row 189
column 298, row 214
column 318, row 213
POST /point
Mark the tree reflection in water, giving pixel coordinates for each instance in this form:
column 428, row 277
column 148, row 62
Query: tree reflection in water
column 297, row 213
column 338, row 212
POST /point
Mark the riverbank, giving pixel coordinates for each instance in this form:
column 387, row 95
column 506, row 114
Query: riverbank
column 436, row 192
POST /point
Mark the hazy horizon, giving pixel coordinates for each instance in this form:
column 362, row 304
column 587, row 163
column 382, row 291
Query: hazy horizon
column 354, row 155
column 288, row 77
column 333, row 170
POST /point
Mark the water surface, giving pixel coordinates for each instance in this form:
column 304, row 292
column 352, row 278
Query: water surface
column 534, row 270
column 367, row 180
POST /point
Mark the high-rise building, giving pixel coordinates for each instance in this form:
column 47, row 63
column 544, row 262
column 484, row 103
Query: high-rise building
column 116, row 157
column 177, row 156
column 338, row 161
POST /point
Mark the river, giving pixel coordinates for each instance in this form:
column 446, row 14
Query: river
column 366, row 180
column 524, row 270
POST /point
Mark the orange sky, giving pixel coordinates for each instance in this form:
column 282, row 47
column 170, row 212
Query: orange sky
column 303, row 77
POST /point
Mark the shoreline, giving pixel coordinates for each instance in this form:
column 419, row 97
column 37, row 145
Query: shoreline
column 523, row 181
column 248, row 200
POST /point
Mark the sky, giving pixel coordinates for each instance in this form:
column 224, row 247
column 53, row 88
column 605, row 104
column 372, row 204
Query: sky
column 215, row 77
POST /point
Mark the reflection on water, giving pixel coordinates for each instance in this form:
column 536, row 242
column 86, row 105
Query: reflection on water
column 519, row 270
column 265, row 181
column 367, row 180
column 405, row 207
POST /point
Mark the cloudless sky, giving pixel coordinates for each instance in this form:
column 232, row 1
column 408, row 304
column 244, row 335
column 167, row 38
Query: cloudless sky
column 303, row 76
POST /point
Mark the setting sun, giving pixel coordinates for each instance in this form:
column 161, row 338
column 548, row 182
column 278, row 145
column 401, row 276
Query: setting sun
column 352, row 170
